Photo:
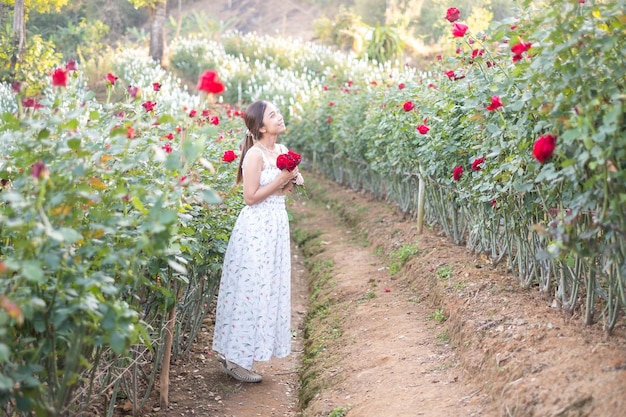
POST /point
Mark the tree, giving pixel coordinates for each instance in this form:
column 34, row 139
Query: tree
column 20, row 15
column 158, row 11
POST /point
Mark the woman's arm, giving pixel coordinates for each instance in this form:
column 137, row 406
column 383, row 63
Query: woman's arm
column 252, row 191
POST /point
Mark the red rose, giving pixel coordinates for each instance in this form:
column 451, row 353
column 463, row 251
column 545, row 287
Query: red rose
column 214, row 120
column 210, row 83
column 156, row 86
column 288, row 161
column 423, row 129
column 453, row 14
column 111, row 79
column 520, row 47
column 401, row 86
column 408, row 106
column 59, row 77
column 70, row 65
column 457, row 173
column 544, row 147
column 229, row 156
column 476, row 164
column 495, row 103
column 167, row 148
column 459, row 29
column 149, row 106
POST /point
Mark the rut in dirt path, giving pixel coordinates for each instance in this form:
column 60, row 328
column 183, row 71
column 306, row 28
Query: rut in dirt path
column 374, row 350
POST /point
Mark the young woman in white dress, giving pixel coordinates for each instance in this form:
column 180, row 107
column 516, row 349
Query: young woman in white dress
column 253, row 313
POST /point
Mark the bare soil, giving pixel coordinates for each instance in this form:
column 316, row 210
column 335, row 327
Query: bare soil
column 445, row 335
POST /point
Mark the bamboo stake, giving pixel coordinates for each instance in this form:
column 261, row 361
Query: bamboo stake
column 420, row 204
column 164, row 383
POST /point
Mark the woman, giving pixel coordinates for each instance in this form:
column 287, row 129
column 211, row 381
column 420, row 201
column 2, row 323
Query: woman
column 253, row 315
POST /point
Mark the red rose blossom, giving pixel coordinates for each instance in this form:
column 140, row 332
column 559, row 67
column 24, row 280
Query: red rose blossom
column 495, row 103
column 544, row 147
column 476, row 165
column 520, row 47
column 229, row 156
column 214, row 120
column 453, row 14
column 423, row 129
column 167, row 148
column 401, row 86
column 408, row 106
column 288, row 161
column 59, row 77
column 111, row 79
column 156, row 86
column 210, row 83
column 149, row 106
column 457, row 173
column 459, row 29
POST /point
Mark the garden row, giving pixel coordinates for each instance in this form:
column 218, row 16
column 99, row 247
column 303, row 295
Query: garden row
column 115, row 211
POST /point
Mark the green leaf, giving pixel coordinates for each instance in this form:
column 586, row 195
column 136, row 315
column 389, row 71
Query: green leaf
column 43, row 134
column 6, row 383
column 32, row 271
column 73, row 143
column 5, row 353
column 210, row 197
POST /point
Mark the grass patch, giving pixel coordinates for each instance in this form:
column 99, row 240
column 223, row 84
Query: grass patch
column 399, row 257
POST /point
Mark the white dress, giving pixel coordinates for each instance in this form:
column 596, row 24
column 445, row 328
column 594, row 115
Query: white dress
column 253, row 313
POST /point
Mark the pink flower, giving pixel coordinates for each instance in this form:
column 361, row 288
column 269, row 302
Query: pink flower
column 31, row 102
column 70, row 65
column 210, row 83
column 132, row 91
column 193, row 113
column 39, row 170
column 453, row 14
column 408, row 106
column 130, row 132
column 401, row 86
column 149, row 105
column 169, row 136
column 167, row 148
column 459, row 29
column 423, row 129
column 544, row 147
column 16, row 86
column 156, row 86
column 329, row 120
column 457, row 173
column 229, row 156
column 331, row 103
column 214, row 120
column 495, row 103
column 476, row 164
column 59, row 77
column 111, row 79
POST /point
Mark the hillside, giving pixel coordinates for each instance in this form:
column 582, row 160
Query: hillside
column 266, row 17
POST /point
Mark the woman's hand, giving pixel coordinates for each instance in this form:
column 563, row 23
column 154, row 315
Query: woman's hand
column 286, row 177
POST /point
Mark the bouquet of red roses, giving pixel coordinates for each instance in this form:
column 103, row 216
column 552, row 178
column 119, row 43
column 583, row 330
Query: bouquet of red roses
column 290, row 161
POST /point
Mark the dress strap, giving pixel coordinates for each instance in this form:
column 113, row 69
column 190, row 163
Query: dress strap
column 265, row 161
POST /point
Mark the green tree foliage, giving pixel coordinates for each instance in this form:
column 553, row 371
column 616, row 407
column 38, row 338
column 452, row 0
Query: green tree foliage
column 40, row 6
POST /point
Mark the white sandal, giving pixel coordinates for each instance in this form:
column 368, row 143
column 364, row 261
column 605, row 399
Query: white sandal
column 238, row 372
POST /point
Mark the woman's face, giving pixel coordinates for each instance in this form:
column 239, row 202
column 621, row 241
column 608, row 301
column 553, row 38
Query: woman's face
column 272, row 120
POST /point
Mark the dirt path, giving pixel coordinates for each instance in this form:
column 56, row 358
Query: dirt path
column 446, row 334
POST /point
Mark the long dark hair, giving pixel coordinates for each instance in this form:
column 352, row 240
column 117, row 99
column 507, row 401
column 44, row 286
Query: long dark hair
column 253, row 117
